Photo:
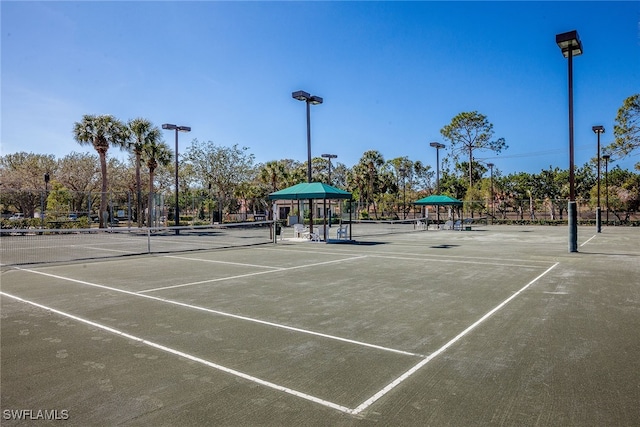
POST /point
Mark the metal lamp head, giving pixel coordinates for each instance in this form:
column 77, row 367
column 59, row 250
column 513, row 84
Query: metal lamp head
column 436, row 145
column 569, row 41
column 301, row 95
column 597, row 129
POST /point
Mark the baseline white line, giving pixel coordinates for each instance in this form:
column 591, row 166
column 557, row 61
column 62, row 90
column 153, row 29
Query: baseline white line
column 187, row 356
column 591, row 238
column 220, row 279
column 234, row 316
column 419, row 365
column 223, row 262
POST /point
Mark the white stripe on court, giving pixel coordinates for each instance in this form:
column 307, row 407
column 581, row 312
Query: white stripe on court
column 419, row 365
column 419, row 256
column 220, row 279
column 189, row 357
column 591, row 238
column 105, row 249
column 222, row 313
column 223, row 262
column 497, row 264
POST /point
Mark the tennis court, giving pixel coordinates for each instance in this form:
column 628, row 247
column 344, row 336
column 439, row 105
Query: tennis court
column 494, row 326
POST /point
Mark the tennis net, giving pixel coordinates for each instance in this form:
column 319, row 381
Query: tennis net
column 365, row 228
column 34, row 246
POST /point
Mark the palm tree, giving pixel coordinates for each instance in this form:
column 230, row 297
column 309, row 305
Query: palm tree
column 101, row 132
column 143, row 133
column 273, row 173
column 369, row 171
column 155, row 154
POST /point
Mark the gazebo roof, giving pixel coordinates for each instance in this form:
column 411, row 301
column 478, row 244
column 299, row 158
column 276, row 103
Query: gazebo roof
column 310, row 190
column 438, row 200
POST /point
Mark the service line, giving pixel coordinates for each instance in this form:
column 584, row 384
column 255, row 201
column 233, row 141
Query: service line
column 220, row 279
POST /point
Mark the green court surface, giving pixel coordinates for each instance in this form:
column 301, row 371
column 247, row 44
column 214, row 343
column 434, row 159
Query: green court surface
column 493, row 326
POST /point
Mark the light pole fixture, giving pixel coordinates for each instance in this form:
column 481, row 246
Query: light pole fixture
column 301, row 95
column 606, row 158
column 169, row 126
column 493, row 211
column 329, row 157
column 403, row 171
column 437, row 146
column 598, row 130
column 570, row 46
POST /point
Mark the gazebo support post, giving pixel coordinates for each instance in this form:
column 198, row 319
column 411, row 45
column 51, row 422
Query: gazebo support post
column 350, row 221
column 326, row 235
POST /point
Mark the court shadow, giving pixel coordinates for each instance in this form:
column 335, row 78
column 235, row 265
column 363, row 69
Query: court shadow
column 443, row 246
column 610, row 254
column 352, row 242
column 369, row 243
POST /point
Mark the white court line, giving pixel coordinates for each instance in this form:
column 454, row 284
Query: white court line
column 190, row 357
column 420, row 256
column 591, row 238
column 105, row 249
column 222, row 313
column 498, row 264
column 366, row 404
column 223, row 262
column 220, row 279
column 419, row 365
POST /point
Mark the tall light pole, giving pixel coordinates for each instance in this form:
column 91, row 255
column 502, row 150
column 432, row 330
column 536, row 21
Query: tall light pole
column 598, row 130
column 403, row 171
column 570, row 46
column 169, row 126
column 437, row 146
column 493, row 211
column 606, row 158
column 309, row 100
column 301, row 95
column 46, row 196
column 329, row 157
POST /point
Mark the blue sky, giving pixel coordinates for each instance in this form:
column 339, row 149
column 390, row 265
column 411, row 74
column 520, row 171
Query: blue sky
column 392, row 74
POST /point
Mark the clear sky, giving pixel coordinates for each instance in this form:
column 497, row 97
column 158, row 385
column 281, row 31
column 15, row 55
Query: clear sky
column 392, row 74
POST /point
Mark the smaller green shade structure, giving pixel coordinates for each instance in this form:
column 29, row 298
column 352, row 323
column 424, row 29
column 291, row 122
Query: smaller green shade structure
column 310, row 190
column 438, row 200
